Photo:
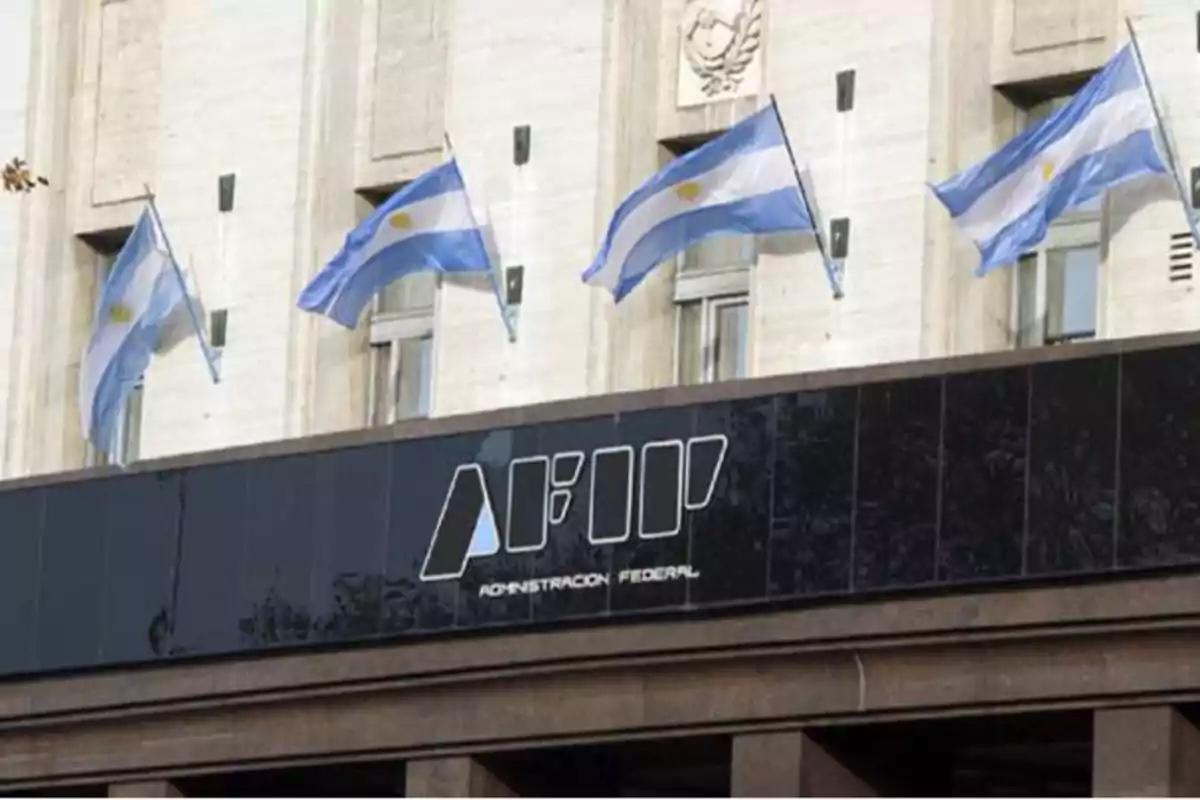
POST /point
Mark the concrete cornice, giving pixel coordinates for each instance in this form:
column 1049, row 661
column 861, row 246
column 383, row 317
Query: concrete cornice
column 1072, row 646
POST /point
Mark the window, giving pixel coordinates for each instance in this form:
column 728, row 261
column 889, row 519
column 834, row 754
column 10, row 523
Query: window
column 401, row 349
column 1057, row 288
column 127, row 435
column 712, row 305
column 713, row 339
column 401, row 336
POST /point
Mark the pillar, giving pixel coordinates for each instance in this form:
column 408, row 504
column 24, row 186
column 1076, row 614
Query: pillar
column 790, row 764
column 458, row 776
column 1144, row 752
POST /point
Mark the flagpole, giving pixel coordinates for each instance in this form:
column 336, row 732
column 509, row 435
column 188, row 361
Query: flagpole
column 187, row 300
column 505, row 313
column 830, row 270
column 1162, row 130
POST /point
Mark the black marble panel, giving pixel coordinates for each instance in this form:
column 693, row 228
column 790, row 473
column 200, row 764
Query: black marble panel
column 1072, row 467
column 983, row 477
column 208, row 599
column 20, row 544
column 826, row 493
column 352, row 502
column 72, row 574
column 139, row 566
column 277, row 563
column 570, row 446
column 631, row 590
column 813, row 493
column 730, row 537
column 421, row 473
column 495, row 453
column 1160, row 458
column 895, row 520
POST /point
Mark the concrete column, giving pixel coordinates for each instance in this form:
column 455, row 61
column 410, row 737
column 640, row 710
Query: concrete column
column 1145, row 752
column 144, row 789
column 790, row 764
column 460, row 776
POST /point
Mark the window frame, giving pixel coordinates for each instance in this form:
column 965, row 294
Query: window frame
column 390, row 329
column 393, row 348
column 106, row 248
column 1072, row 229
column 713, row 287
column 127, row 451
column 710, row 307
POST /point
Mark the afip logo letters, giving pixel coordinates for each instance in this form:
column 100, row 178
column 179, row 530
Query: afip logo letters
column 674, row 476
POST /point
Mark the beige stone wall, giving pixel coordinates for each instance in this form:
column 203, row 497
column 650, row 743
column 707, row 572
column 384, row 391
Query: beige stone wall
column 15, row 59
column 311, row 102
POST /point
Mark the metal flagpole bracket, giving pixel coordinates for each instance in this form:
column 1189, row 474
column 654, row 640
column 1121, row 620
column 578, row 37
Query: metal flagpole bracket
column 1162, row 133
column 205, row 350
column 833, row 270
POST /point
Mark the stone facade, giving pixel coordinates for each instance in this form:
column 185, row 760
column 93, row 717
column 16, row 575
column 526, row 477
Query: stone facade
column 312, row 104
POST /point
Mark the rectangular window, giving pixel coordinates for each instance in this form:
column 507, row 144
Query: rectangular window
column 1056, row 291
column 400, row 380
column 401, row 349
column 128, row 433
column 712, row 300
column 401, row 337
column 713, row 339
column 1057, row 295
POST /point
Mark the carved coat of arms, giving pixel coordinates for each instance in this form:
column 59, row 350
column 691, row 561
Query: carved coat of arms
column 720, row 39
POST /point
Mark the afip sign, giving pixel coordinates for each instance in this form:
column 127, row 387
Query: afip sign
column 674, row 476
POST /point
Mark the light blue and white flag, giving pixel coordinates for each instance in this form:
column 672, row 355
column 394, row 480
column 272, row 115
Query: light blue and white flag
column 426, row 225
column 141, row 290
column 743, row 182
column 1104, row 136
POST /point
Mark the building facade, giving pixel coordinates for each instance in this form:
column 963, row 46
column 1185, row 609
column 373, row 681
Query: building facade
column 314, row 111
column 730, row 536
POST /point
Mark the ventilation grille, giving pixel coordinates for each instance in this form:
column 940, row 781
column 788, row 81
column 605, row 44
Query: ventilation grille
column 1181, row 257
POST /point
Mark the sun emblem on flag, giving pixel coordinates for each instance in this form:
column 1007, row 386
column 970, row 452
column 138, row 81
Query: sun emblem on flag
column 1047, row 170
column 400, row 221
column 119, row 313
column 688, row 190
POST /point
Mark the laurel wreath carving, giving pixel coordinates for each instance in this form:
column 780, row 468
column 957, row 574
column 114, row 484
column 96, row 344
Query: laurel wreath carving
column 724, row 71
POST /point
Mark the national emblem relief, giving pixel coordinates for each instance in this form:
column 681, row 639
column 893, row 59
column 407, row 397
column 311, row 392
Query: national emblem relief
column 720, row 39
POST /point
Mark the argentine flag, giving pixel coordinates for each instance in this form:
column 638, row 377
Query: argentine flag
column 743, row 182
column 1104, row 136
column 142, row 289
column 427, row 224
